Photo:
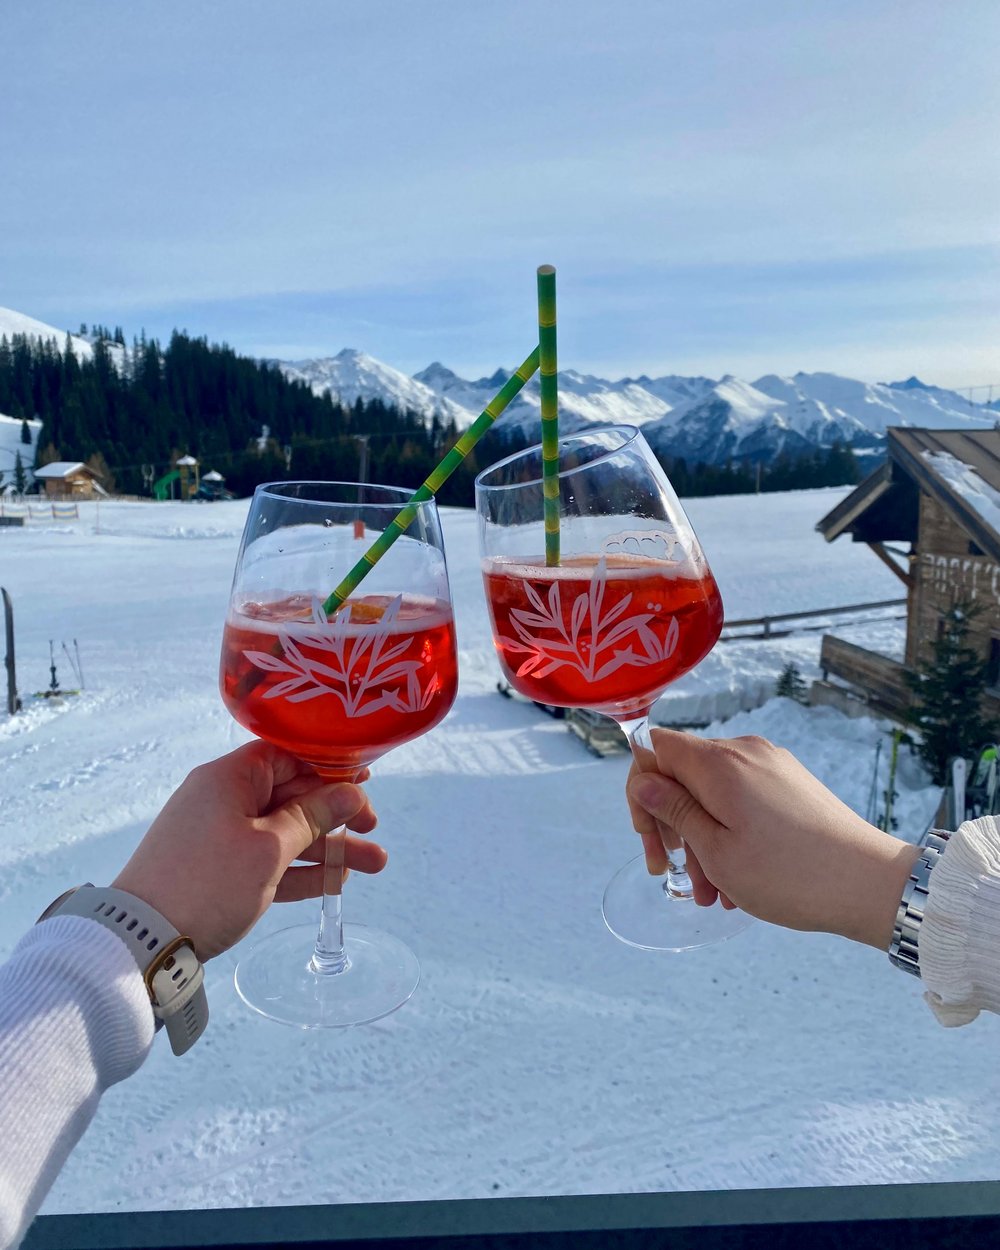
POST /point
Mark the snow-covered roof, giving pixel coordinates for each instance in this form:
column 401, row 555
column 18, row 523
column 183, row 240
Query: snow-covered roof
column 960, row 469
column 61, row 468
column 187, row 460
column 212, row 476
column 968, row 485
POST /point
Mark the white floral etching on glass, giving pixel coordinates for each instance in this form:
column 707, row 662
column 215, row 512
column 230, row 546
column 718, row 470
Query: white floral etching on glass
column 593, row 642
column 359, row 667
column 665, row 543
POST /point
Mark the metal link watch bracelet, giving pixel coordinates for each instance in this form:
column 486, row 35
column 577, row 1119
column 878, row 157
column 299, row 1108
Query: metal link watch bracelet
column 904, row 950
column 171, row 970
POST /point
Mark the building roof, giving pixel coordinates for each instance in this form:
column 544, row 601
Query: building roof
column 212, row 476
column 62, row 468
column 188, row 460
column 958, row 468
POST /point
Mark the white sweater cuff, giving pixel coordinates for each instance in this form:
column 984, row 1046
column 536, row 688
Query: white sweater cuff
column 960, row 933
column 96, row 971
column 74, row 1018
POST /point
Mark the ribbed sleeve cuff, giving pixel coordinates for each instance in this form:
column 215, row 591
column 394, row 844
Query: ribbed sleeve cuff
column 98, row 971
column 960, row 933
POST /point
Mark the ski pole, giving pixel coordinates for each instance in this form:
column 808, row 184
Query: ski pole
column 72, row 663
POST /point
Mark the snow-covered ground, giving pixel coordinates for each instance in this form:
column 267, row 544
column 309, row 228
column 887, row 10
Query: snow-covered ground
column 539, row 1055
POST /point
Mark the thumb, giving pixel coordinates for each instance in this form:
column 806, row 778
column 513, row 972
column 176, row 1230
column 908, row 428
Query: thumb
column 670, row 804
column 305, row 817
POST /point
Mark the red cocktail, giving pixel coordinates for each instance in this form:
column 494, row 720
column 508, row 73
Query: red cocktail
column 608, row 633
column 339, row 693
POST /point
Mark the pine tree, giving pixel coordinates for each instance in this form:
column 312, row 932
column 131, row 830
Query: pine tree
column 25, row 431
column 791, row 684
column 20, row 477
column 99, row 466
column 948, row 696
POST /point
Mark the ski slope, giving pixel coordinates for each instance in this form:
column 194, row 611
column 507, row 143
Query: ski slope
column 11, row 447
column 539, row 1055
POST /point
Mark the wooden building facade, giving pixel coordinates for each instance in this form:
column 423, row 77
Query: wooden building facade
column 939, row 492
column 68, row 479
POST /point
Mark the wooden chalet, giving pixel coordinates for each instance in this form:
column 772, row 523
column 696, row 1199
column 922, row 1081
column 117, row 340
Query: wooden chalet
column 938, row 492
column 68, row 479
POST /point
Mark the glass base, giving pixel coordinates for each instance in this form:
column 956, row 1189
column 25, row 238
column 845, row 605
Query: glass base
column 275, row 978
column 638, row 911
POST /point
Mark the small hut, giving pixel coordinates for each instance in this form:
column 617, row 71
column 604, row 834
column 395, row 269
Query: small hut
column 938, row 492
column 68, row 479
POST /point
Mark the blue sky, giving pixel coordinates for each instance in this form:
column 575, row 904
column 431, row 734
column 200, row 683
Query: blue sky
column 723, row 186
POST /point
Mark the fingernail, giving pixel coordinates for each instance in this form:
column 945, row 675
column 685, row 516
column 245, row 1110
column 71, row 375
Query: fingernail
column 656, row 865
column 648, row 789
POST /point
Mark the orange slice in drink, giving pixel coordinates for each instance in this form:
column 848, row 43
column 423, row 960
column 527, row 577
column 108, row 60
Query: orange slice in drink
column 367, row 611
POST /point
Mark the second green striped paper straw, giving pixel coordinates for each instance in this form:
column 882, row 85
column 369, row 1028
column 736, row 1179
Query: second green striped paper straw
column 434, row 482
column 549, row 385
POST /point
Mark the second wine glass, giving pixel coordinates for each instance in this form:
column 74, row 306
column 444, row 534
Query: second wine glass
column 627, row 607
column 337, row 689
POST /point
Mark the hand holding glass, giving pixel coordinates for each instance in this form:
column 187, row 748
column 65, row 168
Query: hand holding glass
column 631, row 606
column 338, row 691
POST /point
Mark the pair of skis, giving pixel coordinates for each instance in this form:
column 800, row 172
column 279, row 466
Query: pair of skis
column 55, row 691
column 885, row 818
column 975, row 792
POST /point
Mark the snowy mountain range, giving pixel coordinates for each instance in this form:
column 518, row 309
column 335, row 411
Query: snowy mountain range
column 12, row 323
column 696, row 417
column 702, row 419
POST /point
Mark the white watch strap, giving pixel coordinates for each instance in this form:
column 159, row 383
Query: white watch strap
column 168, row 962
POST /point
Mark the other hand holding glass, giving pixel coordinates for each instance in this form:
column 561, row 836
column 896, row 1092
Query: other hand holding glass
column 630, row 606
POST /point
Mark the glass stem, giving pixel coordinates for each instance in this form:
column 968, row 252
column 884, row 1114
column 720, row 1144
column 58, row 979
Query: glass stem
column 677, row 883
column 329, row 957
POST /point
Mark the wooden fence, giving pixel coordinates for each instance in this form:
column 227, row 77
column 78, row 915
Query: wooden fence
column 13, row 506
column 765, row 625
column 17, row 509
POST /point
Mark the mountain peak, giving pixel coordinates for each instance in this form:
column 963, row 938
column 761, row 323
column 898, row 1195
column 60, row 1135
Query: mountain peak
column 912, row 383
column 436, row 372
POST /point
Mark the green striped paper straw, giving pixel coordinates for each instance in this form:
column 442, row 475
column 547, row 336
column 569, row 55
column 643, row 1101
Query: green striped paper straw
column 549, row 382
column 434, row 482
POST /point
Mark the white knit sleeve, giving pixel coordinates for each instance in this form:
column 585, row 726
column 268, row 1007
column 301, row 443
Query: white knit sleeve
column 74, row 1019
column 960, row 933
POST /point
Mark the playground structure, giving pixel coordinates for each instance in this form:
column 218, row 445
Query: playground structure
column 182, row 480
column 163, row 488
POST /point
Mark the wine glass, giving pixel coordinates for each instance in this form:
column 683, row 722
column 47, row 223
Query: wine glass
column 631, row 606
column 337, row 689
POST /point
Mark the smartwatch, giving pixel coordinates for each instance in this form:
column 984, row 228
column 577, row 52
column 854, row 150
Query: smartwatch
column 173, row 974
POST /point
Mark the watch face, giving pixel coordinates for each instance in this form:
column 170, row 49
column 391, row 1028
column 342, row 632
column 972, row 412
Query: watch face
column 54, row 906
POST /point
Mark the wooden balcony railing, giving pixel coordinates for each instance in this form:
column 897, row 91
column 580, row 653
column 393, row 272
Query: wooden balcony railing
column 881, row 682
column 864, row 1217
